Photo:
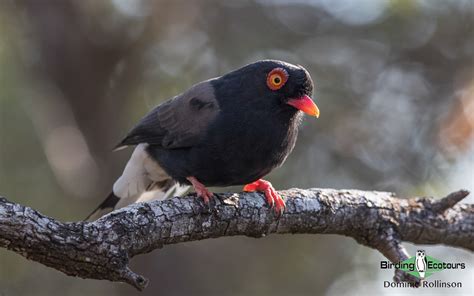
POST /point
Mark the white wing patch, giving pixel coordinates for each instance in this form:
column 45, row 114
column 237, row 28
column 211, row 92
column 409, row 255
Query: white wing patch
column 175, row 190
column 139, row 173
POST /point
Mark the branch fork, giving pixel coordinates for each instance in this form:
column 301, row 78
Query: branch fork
column 102, row 249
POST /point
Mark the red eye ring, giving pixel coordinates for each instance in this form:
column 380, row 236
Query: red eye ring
column 277, row 78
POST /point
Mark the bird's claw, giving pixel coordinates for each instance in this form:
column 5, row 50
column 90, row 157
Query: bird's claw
column 201, row 190
column 205, row 194
column 273, row 199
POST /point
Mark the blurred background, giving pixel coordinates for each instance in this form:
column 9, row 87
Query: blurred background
column 394, row 82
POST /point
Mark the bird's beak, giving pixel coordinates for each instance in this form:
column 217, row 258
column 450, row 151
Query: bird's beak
column 305, row 104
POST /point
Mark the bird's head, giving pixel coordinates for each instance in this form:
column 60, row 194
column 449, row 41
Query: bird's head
column 270, row 84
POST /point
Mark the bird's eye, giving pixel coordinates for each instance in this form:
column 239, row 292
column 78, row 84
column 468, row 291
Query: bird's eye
column 277, row 78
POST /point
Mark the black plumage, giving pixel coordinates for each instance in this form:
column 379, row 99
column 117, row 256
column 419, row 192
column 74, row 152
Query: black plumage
column 229, row 130
column 253, row 132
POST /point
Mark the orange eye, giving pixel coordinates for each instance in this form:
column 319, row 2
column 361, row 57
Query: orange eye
column 277, row 78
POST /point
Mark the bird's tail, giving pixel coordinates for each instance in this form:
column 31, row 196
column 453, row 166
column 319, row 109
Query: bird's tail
column 105, row 207
column 156, row 191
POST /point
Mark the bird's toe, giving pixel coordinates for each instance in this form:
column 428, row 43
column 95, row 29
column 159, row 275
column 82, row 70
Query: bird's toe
column 272, row 198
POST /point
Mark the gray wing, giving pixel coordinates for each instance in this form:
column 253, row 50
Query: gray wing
column 179, row 122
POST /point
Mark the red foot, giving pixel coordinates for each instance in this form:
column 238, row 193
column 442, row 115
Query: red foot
column 200, row 189
column 273, row 198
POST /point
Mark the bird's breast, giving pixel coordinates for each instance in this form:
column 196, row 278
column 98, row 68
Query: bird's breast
column 240, row 153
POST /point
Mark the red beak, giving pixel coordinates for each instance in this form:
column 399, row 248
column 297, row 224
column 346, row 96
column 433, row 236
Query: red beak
column 305, row 104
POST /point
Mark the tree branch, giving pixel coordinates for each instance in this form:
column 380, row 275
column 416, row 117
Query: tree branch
column 102, row 249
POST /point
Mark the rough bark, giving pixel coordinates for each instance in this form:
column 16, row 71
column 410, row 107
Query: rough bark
column 102, row 249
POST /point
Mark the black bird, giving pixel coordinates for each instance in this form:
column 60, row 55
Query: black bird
column 229, row 130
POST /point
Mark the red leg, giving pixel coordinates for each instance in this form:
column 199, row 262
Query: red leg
column 272, row 197
column 200, row 189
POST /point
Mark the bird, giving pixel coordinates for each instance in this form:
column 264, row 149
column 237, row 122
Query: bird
column 225, row 131
column 421, row 263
